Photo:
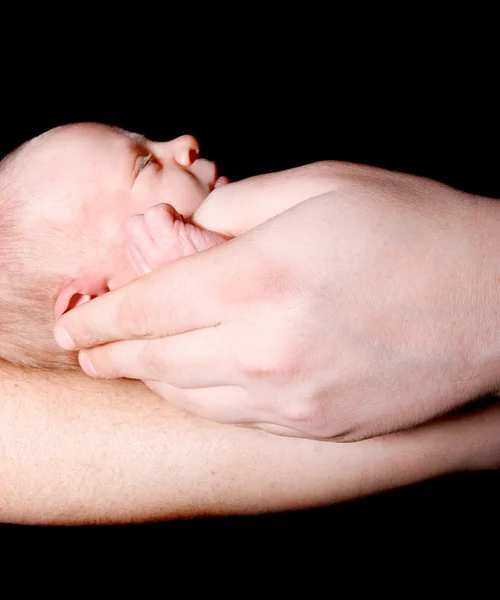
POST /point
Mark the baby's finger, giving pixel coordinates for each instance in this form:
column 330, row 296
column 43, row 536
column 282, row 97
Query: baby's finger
column 159, row 220
column 181, row 296
column 139, row 244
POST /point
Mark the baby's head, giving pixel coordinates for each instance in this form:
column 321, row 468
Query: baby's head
column 65, row 198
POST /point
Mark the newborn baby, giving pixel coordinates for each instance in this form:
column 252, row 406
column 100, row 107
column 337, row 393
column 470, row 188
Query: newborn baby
column 86, row 208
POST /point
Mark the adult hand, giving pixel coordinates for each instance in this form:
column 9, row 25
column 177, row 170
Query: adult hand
column 355, row 313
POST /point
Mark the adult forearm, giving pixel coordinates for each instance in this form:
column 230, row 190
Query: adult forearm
column 73, row 450
column 483, row 286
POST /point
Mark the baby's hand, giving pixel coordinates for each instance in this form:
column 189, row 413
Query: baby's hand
column 161, row 235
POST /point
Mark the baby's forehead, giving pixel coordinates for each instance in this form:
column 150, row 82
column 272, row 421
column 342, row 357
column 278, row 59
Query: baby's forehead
column 82, row 145
column 75, row 149
column 69, row 157
column 71, row 169
column 82, row 136
column 84, row 159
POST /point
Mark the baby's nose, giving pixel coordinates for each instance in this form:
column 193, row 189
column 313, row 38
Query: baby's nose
column 187, row 150
column 184, row 150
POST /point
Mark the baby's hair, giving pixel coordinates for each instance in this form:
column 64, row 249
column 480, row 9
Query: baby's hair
column 28, row 286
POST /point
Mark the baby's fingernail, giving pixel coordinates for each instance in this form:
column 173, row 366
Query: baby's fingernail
column 63, row 339
column 87, row 365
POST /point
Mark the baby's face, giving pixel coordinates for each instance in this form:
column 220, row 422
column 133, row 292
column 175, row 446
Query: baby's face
column 105, row 175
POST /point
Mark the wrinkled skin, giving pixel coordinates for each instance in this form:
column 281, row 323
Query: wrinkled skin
column 360, row 311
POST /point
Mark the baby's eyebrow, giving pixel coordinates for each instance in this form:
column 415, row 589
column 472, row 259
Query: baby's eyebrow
column 138, row 138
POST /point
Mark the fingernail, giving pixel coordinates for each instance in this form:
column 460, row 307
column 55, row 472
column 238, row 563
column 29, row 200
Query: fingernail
column 63, row 339
column 87, row 365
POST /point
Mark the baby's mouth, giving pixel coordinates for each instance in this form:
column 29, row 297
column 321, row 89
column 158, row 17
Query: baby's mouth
column 207, row 172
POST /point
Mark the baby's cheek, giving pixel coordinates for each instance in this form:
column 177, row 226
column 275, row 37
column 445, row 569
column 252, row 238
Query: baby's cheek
column 124, row 274
column 186, row 199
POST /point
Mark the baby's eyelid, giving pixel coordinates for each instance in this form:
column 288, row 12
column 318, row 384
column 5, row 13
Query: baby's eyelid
column 143, row 161
column 147, row 159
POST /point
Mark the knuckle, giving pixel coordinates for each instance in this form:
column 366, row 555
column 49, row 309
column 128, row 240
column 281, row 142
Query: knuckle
column 284, row 366
column 308, row 415
column 279, row 367
column 132, row 317
column 261, row 283
column 152, row 361
column 159, row 210
column 303, row 414
column 272, row 281
column 87, row 334
column 103, row 361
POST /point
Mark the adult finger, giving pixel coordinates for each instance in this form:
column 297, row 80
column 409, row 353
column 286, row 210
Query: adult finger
column 223, row 404
column 276, row 429
column 200, row 358
column 178, row 297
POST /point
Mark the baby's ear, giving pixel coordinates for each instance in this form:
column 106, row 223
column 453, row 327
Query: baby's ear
column 77, row 292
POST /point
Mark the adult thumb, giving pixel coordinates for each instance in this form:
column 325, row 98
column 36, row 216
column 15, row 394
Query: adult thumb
column 235, row 208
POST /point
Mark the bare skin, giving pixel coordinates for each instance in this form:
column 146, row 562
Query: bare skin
column 73, row 450
column 78, row 451
column 366, row 309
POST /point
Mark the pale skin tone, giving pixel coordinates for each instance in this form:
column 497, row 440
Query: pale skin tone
column 130, row 192
column 74, row 450
column 78, row 451
column 371, row 307
column 97, row 178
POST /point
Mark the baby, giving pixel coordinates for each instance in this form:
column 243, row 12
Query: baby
column 86, row 208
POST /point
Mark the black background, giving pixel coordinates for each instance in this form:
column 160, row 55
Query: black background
column 441, row 123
